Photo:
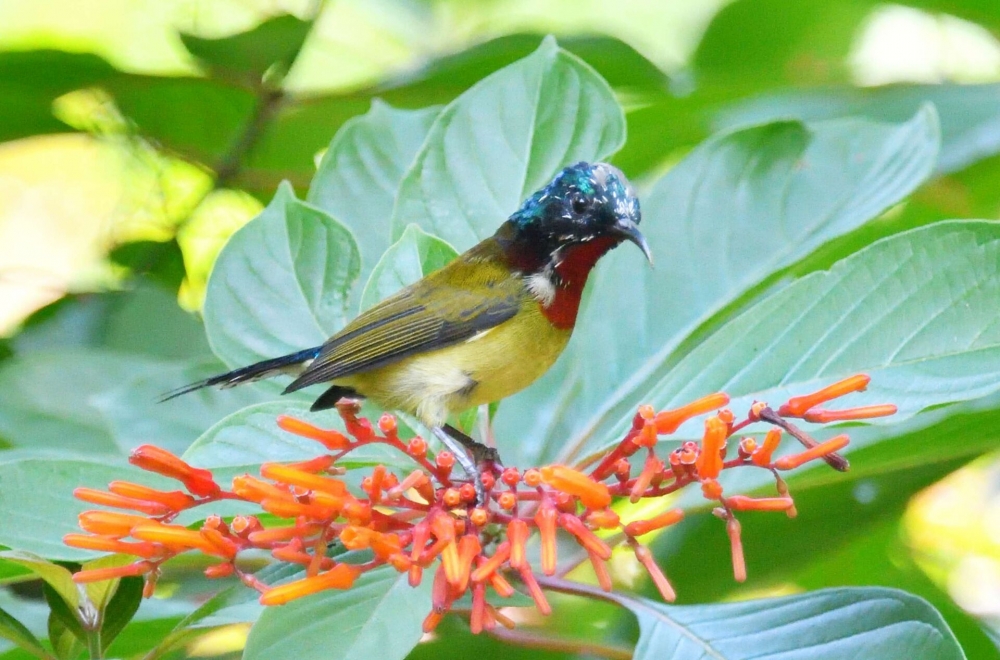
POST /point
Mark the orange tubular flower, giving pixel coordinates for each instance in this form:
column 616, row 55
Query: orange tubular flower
column 111, row 573
column 103, row 498
column 487, row 567
column 650, row 469
column 517, row 536
column 593, row 494
column 105, row 544
column 824, row 448
column 762, row 455
column 640, row 527
column 333, row 440
column 109, row 523
column 587, row 538
column 798, row 405
column 174, row 500
column 600, row 571
column 198, row 481
column 669, row 421
column 175, row 535
column 341, row 576
column 744, row 503
column 546, row 519
column 535, row 591
column 428, row 518
column 663, row 585
column 709, row 463
column 820, row 416
column 736, row 548
column 293, row 477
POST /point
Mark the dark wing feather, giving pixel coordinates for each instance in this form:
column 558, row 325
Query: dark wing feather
column 430, row 314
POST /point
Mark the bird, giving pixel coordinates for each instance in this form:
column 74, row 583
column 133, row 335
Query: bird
column 479, row 329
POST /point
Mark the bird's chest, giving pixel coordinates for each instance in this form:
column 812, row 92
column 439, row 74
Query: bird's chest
column 488, row 367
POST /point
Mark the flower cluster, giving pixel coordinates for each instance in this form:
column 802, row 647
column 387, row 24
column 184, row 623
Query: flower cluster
column 429, row 520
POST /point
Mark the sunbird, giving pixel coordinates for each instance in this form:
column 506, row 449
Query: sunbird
column 483, row 327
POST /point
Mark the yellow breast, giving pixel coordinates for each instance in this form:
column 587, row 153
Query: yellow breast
column 487, row 367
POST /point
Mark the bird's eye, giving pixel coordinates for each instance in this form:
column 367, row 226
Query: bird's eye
column 579, row 204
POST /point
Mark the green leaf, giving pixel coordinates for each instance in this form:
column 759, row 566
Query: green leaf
column 57, row 577
column 161, row 261
column 37, row 507
column 414, row 255
column 31, row 80
column 121, row 608
column 145, row 319
column 135, row 415
column 275, row 41
column 738, row 208
column 66, row 644
column 64, row 621
column 281, row 283
column 915, row 311
column 13, row 630
column 361, row 171
column 49, row 401
column 214, row 113
column 970, row 114
column 831, row 624
column 503, row 139
column 379, row 617
column 251, row 436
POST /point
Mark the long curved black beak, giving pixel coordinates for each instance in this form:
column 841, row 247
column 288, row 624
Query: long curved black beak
column 630, row 232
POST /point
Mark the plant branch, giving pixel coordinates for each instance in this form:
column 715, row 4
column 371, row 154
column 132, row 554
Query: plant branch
column 565, row 645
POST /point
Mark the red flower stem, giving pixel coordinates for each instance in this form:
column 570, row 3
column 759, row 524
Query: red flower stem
column 836, row 461
column 739, row 427
column 433, row 469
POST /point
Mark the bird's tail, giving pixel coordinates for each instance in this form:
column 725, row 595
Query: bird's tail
column 286, row 364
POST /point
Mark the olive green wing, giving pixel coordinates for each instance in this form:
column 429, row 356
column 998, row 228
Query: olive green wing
column 445, row 308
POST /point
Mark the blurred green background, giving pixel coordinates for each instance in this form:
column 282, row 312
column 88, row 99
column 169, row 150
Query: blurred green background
column 132, row 146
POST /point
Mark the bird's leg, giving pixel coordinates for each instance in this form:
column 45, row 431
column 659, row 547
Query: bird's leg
column 480, row 453
column 469, row 464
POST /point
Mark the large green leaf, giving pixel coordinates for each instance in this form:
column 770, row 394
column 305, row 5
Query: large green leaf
column 281, row 283
column 379, row 617
column 970, row 114
column 145, row 319
column 833, row 624
column 49, row 399
column 37, row 507
column 915, row 311
column 413, row 256
column 738, row 208
column 274, row 42
column 134, row 414
column 361, row 171
column 251, row 436
column 57, row 577
column 502, row 140
column 300, row 127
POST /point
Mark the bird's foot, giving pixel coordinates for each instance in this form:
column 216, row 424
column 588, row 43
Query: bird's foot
column 462, row 446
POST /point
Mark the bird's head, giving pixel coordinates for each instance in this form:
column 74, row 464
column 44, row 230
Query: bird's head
column 585, row 204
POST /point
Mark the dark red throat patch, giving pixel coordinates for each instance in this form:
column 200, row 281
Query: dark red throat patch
column 578, row 261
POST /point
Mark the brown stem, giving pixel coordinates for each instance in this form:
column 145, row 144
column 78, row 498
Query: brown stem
column 565, row 645
column 836, row 461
